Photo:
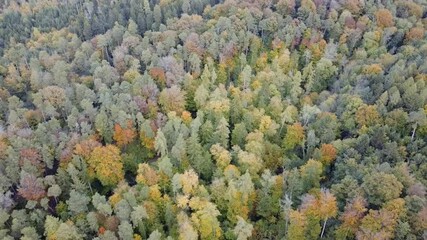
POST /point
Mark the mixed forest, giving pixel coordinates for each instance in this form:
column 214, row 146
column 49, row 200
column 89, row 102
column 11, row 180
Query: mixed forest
column 213, row 119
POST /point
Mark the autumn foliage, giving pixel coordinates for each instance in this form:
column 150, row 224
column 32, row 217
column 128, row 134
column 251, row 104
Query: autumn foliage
column 31, row 156
column 415, row 33
column 367, row 115
column 86, row 147
column 384, row 18
column 31, row 188
column 294, row 136
column 105, row 163
column 328, row 153
column 351, row 218
column 124, row 136
column 213, row 119
column 158, row 74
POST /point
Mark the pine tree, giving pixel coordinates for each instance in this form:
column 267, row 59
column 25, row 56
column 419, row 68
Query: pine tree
column 199, row 158
column 160, row 143
column 222, row 132
column 77, row 203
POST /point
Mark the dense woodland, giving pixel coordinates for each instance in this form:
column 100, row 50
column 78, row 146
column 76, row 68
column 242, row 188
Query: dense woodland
column 208, row 119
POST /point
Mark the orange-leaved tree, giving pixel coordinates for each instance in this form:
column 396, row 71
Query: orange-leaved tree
column 328, row 154
column 384, row 18
column 124, row 136
column 351, row 218
column 320, row 207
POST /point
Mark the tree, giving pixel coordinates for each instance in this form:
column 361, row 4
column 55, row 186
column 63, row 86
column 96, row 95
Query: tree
column 381, row 223
column 147, row 175
column 351, row 218
column 160, row 143
column 414, row 34
column 52, row 99
column 326, row 127
column 31, row 187
column 159, row 75
column 268, row 126
column 157, row 14
column 418, row 118
column 86, row 147
column 147, row 136
column 249, row 161
column 187, row 182
column 239, row 194
column 122, row 209
column 243, row 230
column 54, row 191
column 273, row 156
column 268, row 197
column 347, row 188
column 384, row 18
column 322, row 76
column 328, row 154
column 55, row 229
column 373, row 69
column 172, row 99
column 367, row 116
column 207, row 132
column 104, row 126
column 178, row 152
column 311, row 174
column 321, row 206
column 186, row 7
column 124, row 136
column 421, row 219
column 221, row 156
column 294, row 136
column 105, row 163
column 297, row 226
column 186, row 229
column 31, row 157
column 328, row 207
column 126, row 231
column 239, row 134
column 204, row 218
column 199, row 158
column 77, row 203
column 101, row 204
column 381, row 187
column 201, row 96
column 222, row 133
column 245, row 77
column 29, row 233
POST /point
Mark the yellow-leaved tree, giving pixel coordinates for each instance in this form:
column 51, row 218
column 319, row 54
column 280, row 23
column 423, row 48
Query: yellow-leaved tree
column 298, row 225
column 294, row 136
column 105, row 163
column 204, row 218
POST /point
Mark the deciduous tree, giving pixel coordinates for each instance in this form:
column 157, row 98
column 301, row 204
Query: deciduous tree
column 105, row 163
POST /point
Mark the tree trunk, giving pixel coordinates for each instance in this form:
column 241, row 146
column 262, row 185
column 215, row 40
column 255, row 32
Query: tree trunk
column 323, row 229
column 413, row 133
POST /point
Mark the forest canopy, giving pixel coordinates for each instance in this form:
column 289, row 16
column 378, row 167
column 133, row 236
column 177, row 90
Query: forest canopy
column 213, row 119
